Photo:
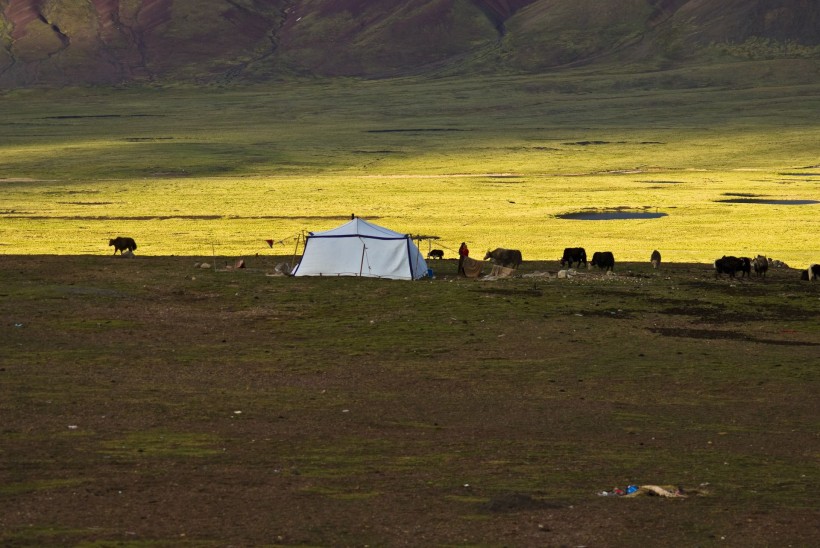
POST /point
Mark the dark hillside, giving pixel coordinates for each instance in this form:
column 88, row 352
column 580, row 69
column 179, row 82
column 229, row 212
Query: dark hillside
column 59, row 42
column 738, row 20
column 55, row 42
column 500, row 10
column 655, row 33
column 391, row 37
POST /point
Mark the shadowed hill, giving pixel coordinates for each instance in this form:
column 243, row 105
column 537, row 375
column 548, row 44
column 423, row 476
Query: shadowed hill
column 66, row 42
column 499, row 11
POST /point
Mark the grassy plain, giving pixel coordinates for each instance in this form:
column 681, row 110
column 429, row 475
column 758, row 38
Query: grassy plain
column 146, row 402
column 149, row 403
column 490, row 161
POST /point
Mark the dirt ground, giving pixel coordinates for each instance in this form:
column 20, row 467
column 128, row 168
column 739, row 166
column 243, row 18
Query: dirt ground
column 149, row 401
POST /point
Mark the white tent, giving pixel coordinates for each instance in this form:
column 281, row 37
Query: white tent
column 359, row 248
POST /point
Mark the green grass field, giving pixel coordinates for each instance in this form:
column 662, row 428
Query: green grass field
column 146, row 402
column 489, row 161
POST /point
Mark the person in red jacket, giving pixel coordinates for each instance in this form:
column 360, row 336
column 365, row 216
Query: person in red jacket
column 463, row 252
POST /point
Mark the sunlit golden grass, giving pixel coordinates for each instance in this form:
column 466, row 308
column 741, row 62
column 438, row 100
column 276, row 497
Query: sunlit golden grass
column 490, row 163
column 235, row 215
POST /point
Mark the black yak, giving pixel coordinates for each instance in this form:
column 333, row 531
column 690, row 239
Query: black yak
column 122, row 243
column 505, row 257
column 746, row 268
column 604, row 260
column 761, row 265
column 728, row 265
column 574, row 255
column 655, row 259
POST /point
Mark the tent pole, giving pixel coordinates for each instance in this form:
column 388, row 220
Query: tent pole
column 295, row 249
column 361, row 264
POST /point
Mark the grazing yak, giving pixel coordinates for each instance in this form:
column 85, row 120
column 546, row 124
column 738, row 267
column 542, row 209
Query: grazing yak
column 811, row 273
column 655, row 259
column 574, row 255
column 728, row 265
column 603, row 260
column 122, row 243
column 435, row 254
column 761, row 265
column 505, row 257
column 746, row 268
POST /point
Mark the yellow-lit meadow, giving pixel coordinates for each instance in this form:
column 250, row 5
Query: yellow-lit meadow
column 492, row 163
column 235, row 215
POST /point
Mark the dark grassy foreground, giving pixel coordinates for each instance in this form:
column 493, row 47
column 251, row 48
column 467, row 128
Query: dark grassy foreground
column 149, row 403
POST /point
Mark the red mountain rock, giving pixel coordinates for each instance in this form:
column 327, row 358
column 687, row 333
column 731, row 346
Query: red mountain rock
column 67, row 42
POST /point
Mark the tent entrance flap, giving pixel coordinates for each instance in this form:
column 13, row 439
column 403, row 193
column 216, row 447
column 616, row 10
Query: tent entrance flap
column 364, row 252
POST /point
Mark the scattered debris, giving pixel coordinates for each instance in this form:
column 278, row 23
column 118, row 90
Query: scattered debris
column 666, row 491
column 499, row 272
column 537, row 274
column 281, row 269
column 567, row 273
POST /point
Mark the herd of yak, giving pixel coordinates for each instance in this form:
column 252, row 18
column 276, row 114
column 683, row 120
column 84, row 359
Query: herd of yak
column 605, row 260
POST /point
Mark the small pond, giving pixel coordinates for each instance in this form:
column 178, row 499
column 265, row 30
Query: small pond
column 610, row 215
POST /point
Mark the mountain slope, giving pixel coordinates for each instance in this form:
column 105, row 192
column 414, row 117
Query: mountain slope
column 60, row 42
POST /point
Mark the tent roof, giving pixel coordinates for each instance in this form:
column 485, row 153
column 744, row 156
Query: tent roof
column 359, row 227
